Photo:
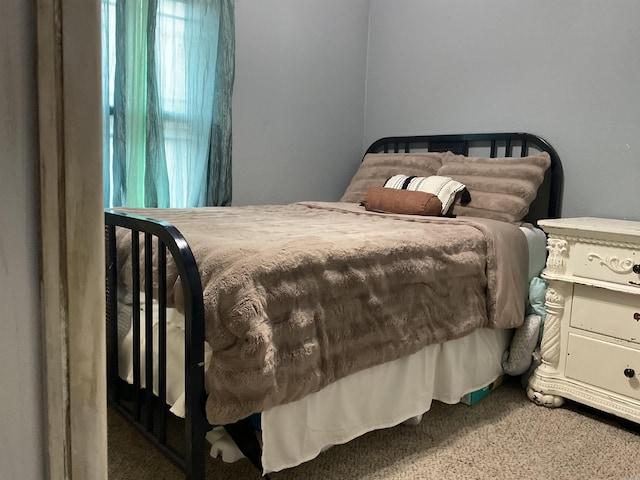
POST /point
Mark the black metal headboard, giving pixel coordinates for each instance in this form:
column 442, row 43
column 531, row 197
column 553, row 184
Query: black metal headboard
column 548, row 202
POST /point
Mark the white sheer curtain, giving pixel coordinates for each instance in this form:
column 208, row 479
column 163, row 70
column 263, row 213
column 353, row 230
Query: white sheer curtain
column 165, row 62
column 186, row 62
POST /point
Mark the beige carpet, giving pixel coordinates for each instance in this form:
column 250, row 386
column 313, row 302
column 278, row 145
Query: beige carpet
column 504, row 436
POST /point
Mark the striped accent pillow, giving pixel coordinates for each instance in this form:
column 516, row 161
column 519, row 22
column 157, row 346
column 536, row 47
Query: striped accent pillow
column 445, row 188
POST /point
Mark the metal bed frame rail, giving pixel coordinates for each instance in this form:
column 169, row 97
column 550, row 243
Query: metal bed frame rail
column 149, row 413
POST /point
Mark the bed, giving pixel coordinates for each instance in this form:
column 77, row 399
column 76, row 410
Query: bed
column 289, row 319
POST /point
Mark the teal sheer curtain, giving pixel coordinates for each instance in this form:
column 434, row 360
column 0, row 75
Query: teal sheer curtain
column 168, row 70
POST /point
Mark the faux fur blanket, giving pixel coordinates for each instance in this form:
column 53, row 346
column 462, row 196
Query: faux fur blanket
column 298, row 296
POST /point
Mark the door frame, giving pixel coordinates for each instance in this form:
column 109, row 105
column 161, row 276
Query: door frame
column 72, row 229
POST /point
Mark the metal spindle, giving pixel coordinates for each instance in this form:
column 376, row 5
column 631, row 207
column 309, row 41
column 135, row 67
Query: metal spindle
column 135, row 281
column 494, row 149
column 112, row 314
column 148, row 328
column 162, row 339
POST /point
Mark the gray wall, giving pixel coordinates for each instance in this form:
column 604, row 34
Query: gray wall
column 567, row 70
column 21, row 422
column 298, row 107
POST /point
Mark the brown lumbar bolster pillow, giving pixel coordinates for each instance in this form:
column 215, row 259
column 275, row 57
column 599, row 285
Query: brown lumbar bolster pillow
column 409, row 202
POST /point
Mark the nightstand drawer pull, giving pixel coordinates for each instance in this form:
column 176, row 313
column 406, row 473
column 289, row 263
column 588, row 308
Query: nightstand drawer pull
column 636, row 316
column 636, row 268
column 629, row 372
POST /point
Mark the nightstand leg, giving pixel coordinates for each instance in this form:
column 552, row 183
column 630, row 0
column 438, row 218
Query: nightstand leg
column 538, row 389
column 543, row 399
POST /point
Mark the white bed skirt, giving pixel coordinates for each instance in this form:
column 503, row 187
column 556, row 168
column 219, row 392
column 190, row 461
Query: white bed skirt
column 380, row 397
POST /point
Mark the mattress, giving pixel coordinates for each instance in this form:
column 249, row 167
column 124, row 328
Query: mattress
column 404, row 388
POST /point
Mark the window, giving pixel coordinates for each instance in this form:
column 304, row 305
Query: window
column 179, row 81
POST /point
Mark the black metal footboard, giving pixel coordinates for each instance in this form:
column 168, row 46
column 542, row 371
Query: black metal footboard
column 145, row 410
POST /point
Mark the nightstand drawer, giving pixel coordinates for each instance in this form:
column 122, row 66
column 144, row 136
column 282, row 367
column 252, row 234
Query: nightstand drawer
column 606, row 263
column 606, row 312
column 604, row 365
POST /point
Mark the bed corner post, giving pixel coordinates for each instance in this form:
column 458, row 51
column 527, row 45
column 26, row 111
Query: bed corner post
column 196, row 424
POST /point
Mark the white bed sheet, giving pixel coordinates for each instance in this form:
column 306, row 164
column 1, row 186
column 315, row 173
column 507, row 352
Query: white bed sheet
column 378, row 397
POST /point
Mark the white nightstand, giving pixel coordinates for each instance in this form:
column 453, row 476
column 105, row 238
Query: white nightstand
column 591, row 343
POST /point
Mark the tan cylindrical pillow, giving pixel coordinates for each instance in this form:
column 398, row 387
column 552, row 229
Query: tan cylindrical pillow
column 408, row 202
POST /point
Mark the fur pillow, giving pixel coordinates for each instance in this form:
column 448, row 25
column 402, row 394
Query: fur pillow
column 377, row 167
column 500, row 188
column 391, row 200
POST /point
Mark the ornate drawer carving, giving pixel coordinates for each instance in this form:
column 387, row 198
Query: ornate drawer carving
column 620, row 373
column 610, row 263
column 606, row 312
